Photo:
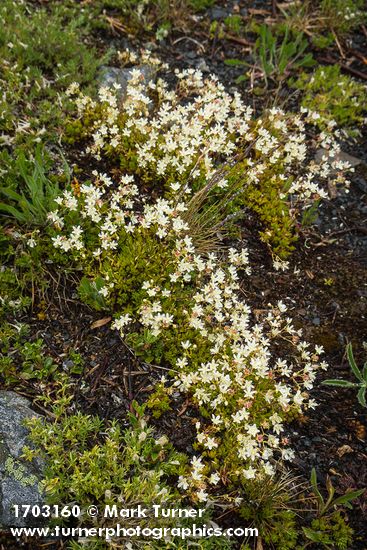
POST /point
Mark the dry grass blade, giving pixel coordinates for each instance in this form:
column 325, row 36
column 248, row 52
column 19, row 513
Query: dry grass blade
column 210, row 219
column 116, row 25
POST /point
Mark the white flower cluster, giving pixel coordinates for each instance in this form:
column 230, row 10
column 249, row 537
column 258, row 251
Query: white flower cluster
column 91, row 207
column 349, row 14
column 112, row 212
column 247, row 370
column 255, row 371
column 245, row 389
column 180, row 137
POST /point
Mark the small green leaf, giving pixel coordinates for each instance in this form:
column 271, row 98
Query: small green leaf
column 10, row 193
column 315, row 487
column 8, row 209
column 236, row 62
column 330, row 487
column 241, row 78
column 348, row 497
column 352, row 363
column 362, row 396
column 315, row 536
column 331, row 492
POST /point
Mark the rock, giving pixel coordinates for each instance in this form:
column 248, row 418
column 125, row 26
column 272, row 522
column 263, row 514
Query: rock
column 361, row 183
column 353, row 161
column 113, row 75
column 217, row 13
column 18, row 479
column 362, row 292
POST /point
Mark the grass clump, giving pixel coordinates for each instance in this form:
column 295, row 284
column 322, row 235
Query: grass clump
column 282, row 508
column 271, row 505
column 277, row 53
column 324, row 22
column 30, row 205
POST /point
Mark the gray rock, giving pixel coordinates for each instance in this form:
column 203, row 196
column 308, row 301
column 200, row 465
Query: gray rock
column 19, row 479
column 217, row 13
column 113, row 75
column 345, row 157
column 361, row 183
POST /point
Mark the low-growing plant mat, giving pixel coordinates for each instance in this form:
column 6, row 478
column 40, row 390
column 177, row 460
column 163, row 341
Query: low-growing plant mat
column 324, row 286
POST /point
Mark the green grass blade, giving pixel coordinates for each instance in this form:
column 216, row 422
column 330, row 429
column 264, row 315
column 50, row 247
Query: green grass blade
column 348, row 497
column 353, row 364
column 14, row 213
column 361, row 395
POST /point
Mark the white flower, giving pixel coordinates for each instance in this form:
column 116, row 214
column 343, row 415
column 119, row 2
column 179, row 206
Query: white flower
column 216, row 419
column 186, row 344
column 288, row 454
column 249, row 473
column 282, row 307
column 103, row 291
column 268, row 469
column 222, row 184
column 253, row 430
column 197, row 463
column 202, row 495
column 211, row 443
column 121, row 322
column 162, row 441
column 214, row 479
column 182, row 483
